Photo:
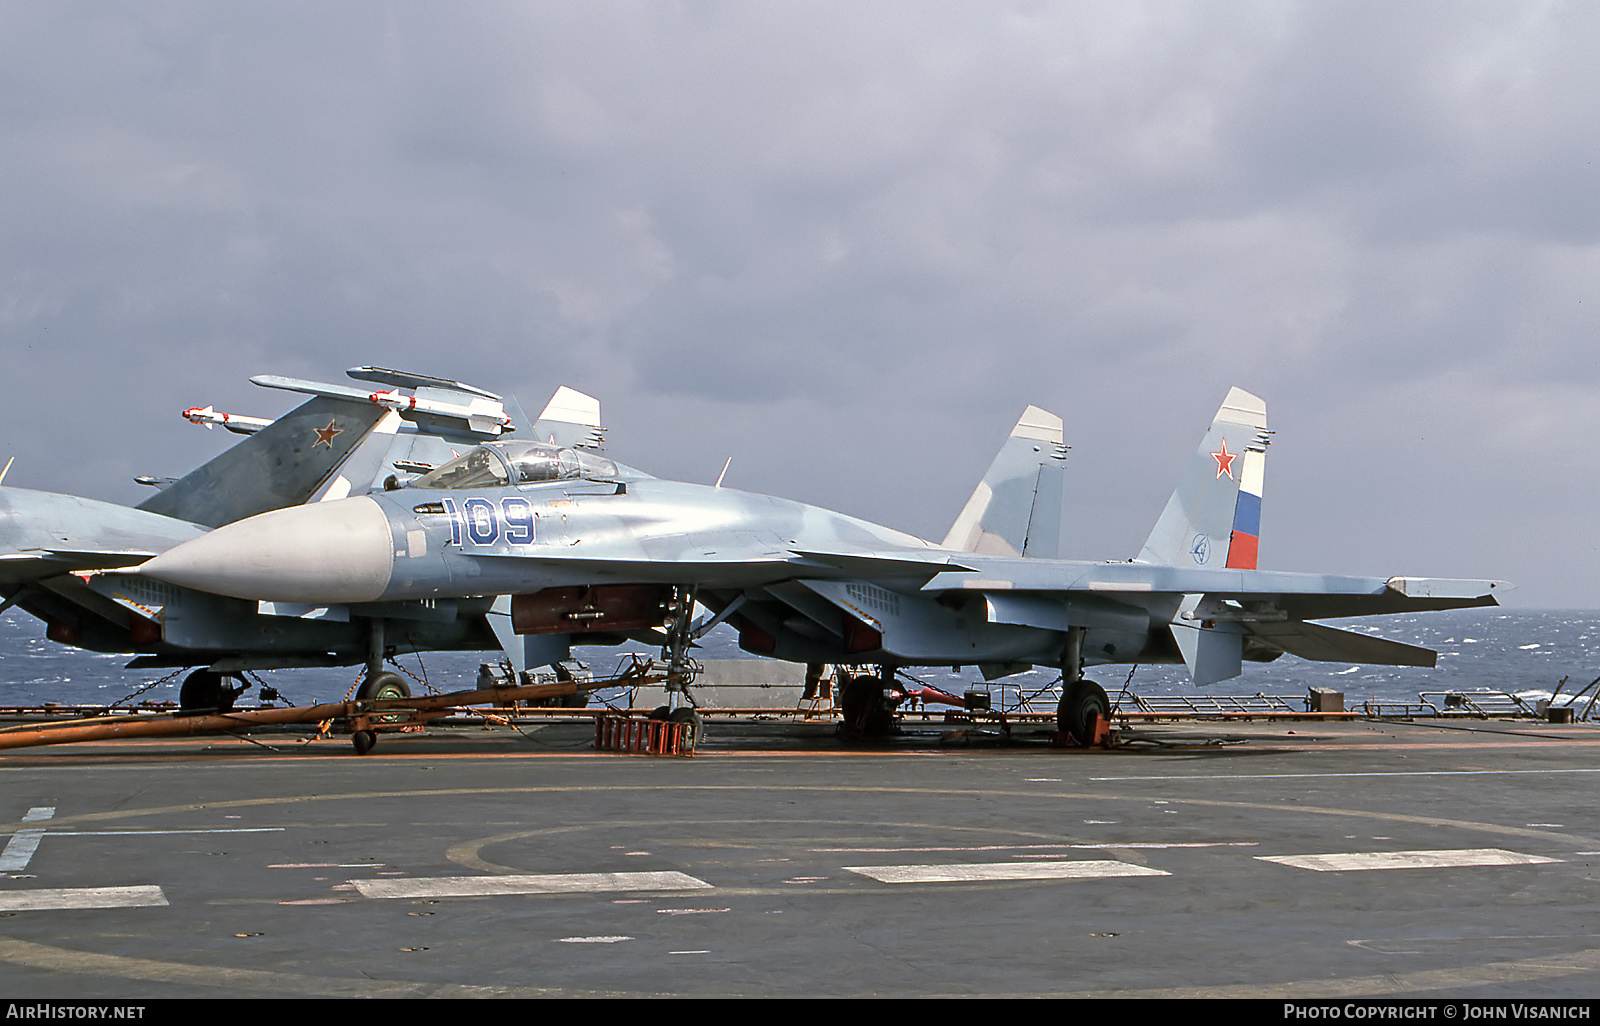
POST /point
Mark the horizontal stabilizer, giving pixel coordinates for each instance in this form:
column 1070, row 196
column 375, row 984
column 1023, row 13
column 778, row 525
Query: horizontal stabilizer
column 1445, row 588
column 1330, row 645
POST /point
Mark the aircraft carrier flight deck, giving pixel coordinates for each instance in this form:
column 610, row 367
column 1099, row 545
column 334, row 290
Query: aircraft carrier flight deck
column 1254, row 859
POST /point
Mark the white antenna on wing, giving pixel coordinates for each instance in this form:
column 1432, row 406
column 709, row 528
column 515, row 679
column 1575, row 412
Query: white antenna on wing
column 717, row 485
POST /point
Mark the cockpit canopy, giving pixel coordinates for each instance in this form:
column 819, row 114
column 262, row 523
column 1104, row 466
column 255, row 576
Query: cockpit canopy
column 498, row 464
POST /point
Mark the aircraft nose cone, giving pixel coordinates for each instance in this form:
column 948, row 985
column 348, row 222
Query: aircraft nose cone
column 324, row 552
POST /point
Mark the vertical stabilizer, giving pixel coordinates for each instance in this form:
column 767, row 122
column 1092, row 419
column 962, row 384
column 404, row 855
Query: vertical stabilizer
column 283, row 464
column 1016, row 508
column 368, row 462
column 1214, row 517
column 571, row 418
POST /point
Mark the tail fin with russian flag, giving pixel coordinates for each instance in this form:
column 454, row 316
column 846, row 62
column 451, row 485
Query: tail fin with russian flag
column 1214, row 516
column 1244, row 542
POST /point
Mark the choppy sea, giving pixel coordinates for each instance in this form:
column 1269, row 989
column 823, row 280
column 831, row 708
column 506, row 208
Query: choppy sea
column 1521, row 652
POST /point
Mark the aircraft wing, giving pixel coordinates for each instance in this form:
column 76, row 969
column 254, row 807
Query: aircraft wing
column 877, row 564
column 1298, row 596
column 72, row 560
column 737, row 568
column 1212, row 614
column 43, row 534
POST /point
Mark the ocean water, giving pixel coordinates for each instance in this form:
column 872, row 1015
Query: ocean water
column 1522, row 652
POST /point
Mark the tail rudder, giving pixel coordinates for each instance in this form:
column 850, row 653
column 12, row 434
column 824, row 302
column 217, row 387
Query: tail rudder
column 1214, row 516
column 1244, row 540
column 1016, row 508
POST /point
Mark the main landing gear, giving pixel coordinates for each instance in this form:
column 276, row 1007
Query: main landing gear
column 1084, row 711
column 1084, row 707
column 866, row 707
column 206, row 691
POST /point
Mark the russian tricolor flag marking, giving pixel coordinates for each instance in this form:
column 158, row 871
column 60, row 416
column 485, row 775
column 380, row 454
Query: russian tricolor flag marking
column 1245, row 542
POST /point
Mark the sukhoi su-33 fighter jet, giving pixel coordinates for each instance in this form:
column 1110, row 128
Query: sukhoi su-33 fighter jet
column 583, row 544
column 64, row 558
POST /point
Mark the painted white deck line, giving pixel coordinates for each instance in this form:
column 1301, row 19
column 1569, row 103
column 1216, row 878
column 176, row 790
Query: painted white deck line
column 554, row 883
column 159, row 833
column 1342, row 776
column 19, row 850
column 1351, row 861
column 1091, row 869
column 81, row 897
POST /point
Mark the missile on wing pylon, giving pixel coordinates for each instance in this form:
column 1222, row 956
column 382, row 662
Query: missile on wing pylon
column 239, row 425
column 484, row 415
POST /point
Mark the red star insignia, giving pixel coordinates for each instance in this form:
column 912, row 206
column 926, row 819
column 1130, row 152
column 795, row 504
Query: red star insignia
column 1225, row 460
column 325, row 435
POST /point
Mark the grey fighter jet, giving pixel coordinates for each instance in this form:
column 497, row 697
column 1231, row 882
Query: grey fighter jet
column 63, row 558
column 583, row 544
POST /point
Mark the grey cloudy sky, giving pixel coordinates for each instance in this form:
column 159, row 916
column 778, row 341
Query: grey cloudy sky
column 845, row 244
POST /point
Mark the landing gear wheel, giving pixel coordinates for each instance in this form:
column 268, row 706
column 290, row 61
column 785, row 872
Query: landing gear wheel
column 694, row 729
column 866, row 712
column 660, row 712
column 855, row 701
column 1081, row 702
column 204, row 691
column 383, row 685
column 363, row 740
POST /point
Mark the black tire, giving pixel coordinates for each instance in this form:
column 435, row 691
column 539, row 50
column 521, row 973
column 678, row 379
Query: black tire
column 204, row 691
column 695, row 727
column 866, row 712
column 660, row 712
column 363, row 740
column 855, row 702
column 1082, row 700
column 383, row 685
